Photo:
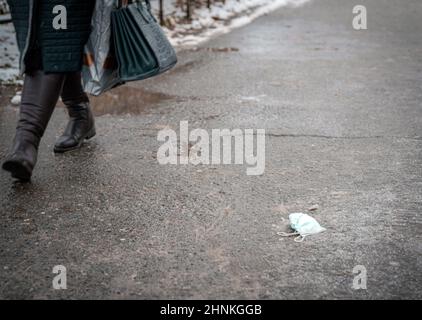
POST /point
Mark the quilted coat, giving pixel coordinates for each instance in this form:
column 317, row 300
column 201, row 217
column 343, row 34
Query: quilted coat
column 61, row 49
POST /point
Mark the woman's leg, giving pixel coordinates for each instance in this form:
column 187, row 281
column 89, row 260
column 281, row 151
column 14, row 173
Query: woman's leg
column 39, row 97
column 81, row 123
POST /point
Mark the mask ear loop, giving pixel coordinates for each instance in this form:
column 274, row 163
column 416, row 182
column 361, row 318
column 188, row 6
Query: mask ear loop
column 287, row 234
column 300, row 238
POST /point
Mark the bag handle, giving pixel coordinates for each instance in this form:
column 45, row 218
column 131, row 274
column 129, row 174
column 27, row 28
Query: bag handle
column 125, row 3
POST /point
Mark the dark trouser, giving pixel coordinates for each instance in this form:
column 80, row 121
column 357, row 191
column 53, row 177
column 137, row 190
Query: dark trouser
column 39, row 97
column 40, row 94
column 72, row 91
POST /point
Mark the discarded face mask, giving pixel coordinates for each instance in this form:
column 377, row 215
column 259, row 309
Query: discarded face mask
column 304, row 225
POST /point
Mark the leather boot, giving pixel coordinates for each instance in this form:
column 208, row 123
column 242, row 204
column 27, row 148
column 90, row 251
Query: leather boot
column 39, row 97
column 81, row 124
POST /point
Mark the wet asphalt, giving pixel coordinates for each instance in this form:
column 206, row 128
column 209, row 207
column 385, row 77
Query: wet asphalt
column 343, row 120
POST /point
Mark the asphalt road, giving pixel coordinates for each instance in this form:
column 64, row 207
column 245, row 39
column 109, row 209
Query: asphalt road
column 343, row 120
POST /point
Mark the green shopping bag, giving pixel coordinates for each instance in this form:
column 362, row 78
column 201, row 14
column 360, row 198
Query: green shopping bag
column 141, row 48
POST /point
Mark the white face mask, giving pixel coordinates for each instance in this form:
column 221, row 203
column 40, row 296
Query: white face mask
column 303, row 224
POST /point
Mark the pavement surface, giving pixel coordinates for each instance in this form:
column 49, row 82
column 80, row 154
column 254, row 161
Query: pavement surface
column 343, row 120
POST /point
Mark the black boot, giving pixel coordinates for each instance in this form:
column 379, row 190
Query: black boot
column 23, row 156
column 81, row 124
column 40, row 94
column 80, row 127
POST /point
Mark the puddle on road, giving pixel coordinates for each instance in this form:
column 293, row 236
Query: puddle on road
column 125, row 99
column 121, row 100
column 213, row 49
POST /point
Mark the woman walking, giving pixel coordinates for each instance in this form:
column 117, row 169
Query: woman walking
column 51, row 59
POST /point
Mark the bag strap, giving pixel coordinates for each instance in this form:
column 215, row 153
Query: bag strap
column 122, row 3
column 125, row 3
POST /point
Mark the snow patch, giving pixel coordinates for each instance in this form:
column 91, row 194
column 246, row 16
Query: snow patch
column 221, row 18
column 9, row 54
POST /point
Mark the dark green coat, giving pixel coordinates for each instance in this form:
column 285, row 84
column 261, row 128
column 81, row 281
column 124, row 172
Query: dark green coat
column 61, row 50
